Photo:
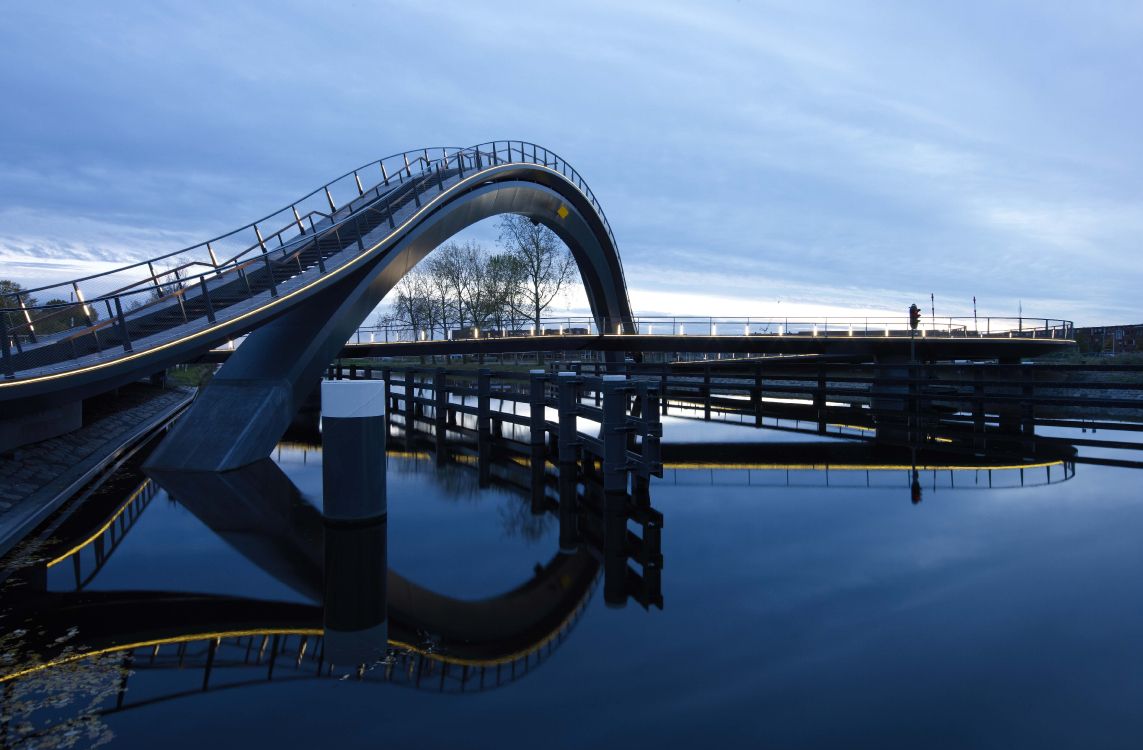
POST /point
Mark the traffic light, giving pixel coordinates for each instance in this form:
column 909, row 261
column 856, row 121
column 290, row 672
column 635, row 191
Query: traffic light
column 914, row 316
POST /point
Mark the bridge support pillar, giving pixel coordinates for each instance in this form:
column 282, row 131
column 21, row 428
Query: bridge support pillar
column 355, row 511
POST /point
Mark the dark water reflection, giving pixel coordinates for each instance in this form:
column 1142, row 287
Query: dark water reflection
column 801, row 608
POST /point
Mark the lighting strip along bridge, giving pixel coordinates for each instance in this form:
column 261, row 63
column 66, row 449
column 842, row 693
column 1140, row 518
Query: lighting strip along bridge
column 224, row 283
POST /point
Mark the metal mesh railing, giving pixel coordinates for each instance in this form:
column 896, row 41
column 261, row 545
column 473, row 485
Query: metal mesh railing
column 167, row 296
column 693, row 325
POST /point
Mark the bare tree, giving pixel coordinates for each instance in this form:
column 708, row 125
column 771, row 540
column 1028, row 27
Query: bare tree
column 546, row 266
column 449, row 267
column 412, row 306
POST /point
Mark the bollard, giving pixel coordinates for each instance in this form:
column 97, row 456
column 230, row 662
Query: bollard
column 354, row 507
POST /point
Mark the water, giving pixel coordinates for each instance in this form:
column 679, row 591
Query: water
column 801, row 608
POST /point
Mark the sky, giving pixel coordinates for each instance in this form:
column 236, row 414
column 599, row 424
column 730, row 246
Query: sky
column 753, row 158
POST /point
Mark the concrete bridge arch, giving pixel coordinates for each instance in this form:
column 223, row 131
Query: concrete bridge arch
column 243, row 412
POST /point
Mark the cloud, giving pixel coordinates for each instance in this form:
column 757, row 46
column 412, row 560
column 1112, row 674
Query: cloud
column 868, row 153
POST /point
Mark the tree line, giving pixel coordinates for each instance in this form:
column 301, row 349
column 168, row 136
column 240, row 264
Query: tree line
column 462, row 285
column 53, row 316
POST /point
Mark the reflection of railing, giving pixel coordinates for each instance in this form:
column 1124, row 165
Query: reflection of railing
column 139, row 306
column 883, row 476
column 955, row 407
column 694, row 325
column 104, row 540
column 248, row 658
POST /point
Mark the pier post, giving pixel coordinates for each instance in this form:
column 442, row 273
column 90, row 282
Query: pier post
column 820, row 400
column 756, row 395
column 537, row 432
column 706, row 388
column 568, row 446
column 440, row 414
column 890, row 398
column 484, row 425
column 614, row 389
column 355, row 512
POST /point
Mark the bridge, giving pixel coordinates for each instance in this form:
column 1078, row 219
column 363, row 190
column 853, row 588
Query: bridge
column 299, row 282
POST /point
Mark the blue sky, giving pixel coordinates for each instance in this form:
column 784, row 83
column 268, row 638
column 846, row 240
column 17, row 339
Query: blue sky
column 753, row 158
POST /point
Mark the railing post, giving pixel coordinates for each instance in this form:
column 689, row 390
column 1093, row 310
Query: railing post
column 28, row 318
column 205, row 299
column 122, row 322
column 269, row 275
column 6, row 348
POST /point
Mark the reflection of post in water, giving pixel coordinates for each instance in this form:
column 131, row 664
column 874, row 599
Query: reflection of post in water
column 356, row 521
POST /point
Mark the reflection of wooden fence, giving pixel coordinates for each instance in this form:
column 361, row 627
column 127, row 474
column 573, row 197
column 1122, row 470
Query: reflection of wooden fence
column 601, row 432
column 965, row 406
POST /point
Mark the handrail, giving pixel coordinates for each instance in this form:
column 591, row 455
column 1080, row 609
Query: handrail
column 417, row 157
column 412, row 174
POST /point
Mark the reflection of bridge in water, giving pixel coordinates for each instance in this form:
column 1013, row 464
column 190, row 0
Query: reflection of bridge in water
column 209, row 642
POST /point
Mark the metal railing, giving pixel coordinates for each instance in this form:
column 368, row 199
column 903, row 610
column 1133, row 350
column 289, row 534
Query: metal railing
column 693, row 325
column 131, row 307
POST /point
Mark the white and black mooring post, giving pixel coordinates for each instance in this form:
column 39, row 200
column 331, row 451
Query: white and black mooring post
column 355, row 510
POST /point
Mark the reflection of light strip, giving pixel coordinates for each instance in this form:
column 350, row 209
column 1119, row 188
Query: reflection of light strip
column 856, row 467
column 349, row 265
column 102, row 528
column 157, row 642
column 507, row 659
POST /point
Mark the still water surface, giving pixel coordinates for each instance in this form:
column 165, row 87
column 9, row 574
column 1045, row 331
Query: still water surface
column 801, row 608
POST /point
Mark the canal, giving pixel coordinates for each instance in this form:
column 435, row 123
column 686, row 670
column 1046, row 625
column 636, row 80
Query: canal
column 809, row 596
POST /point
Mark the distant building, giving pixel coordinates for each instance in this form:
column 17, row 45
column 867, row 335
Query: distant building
column 1110, row 339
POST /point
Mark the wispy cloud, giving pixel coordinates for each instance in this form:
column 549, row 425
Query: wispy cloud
column 859, row 154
